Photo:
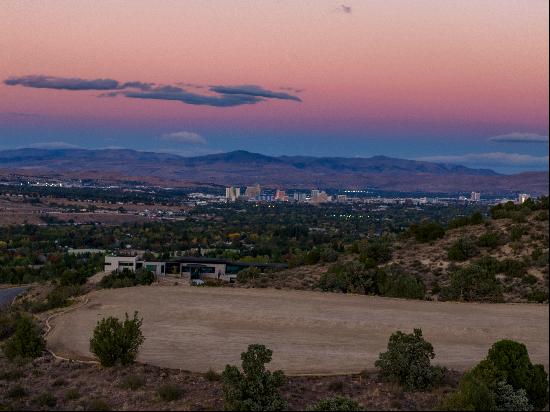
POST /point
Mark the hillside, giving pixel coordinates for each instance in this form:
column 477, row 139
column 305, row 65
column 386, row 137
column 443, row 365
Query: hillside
column 245, row 168
column 514, row 251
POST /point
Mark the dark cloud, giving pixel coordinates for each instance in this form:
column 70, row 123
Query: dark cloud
column 519, row 137
column 224, row 96
column 181, row 95
column 62, row 83
column 252, row 90
column 137, row 85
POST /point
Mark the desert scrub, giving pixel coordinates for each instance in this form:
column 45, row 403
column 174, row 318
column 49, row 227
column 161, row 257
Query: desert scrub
column 132, row 382
column 169, row 392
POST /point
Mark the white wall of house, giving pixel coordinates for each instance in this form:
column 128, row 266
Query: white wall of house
column 120, row 263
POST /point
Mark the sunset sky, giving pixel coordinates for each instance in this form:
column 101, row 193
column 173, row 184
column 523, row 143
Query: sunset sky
column 451, row 81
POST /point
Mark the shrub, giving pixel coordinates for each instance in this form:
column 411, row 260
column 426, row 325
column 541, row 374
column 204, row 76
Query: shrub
column 508, row 399
column 114, row 341
column 57, row 298
column 462, row 249
column 407, row 361
column 427, row 231
column 516, row 233
column 27, row 341
column 394, row 282
column 472, row 395
column 337, row 403
column 169, row 393
column 349, row 277
column 212, row 376
column 489, row 240
column 505, row 380
column 11, row 375
column 313, row 256
column 17, row 392
column 473, row 283
column 336, row 386
column 254, row 389
column 247, row 274
column 512, row 362
column 72, row 394
column 98, row 405
column 132, row 382
column 8, row 322
column 46, row 400
column 513, row 268
column 127, row 278
column 376, row 252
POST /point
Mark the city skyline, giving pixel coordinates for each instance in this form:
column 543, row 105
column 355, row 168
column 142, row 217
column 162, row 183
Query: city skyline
column 448, row 82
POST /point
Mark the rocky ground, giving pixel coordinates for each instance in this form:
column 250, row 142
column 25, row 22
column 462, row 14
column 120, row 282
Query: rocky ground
column 50, row 384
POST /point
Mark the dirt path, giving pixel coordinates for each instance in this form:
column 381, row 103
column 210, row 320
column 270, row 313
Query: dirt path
column 310, row 333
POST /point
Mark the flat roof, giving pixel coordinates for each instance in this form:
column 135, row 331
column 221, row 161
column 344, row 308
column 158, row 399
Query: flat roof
column 194, row 259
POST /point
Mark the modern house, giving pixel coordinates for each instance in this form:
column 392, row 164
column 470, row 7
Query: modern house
column 188, row 267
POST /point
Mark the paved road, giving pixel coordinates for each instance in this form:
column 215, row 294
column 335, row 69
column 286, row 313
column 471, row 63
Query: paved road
column 7, row 295
column 309, row 332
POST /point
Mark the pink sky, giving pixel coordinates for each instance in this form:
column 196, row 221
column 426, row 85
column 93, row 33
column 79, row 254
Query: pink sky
column 442, row 62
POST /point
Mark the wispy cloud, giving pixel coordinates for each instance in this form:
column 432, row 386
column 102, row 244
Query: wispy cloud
column 519, row 137
column 61, row 83
column 181, row 95
column 491, row 159
column 252, row 90
column 222, row 96
column 184, row 137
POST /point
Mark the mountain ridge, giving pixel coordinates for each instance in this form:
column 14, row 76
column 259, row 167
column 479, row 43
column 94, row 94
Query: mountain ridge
column 241, row 167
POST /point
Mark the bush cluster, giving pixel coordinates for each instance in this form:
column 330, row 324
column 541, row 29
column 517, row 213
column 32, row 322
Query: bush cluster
column 127, row 278
column 473, row 283
column 474, row 219
column 354, row 277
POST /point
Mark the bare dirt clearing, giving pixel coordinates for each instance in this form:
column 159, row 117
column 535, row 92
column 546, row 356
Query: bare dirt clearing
column 310, row 333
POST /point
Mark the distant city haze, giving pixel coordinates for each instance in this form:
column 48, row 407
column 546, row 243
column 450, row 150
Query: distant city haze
column 457, row 82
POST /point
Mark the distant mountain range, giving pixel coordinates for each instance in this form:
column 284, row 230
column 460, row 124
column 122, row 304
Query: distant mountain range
column 245, row 168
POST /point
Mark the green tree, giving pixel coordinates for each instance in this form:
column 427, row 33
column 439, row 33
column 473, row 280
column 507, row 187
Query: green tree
column 255, row 388
column 505, row 380
column 114, row 341
column 407, row 361
column 27, row 341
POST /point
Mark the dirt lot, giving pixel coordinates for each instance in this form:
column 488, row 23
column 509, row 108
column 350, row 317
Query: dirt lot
column 310, row 333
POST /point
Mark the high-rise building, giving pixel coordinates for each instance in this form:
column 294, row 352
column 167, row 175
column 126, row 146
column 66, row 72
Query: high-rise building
column 319, row 196
column 475, row 197
column 232, row 193
column 522, row 197
column 253, row 192
column 281, row 196
column 299, row 197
